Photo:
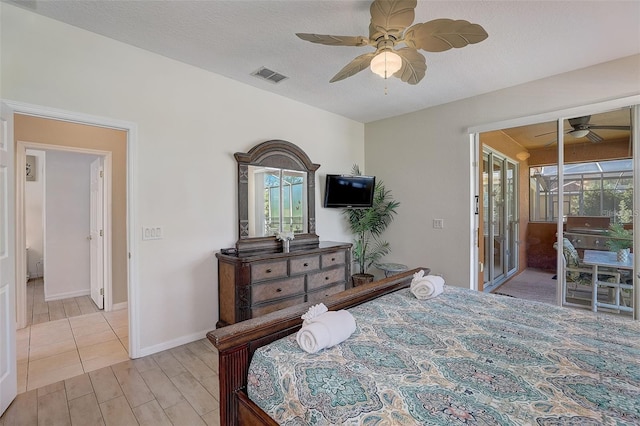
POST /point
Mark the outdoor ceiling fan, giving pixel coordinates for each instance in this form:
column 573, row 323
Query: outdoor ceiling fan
column 388, row 29
column 581, row 128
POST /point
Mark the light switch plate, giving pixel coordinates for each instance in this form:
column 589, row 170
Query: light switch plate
column 438, row 223
column 151, row 232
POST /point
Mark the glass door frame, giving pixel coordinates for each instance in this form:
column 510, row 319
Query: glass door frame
column 507, row 222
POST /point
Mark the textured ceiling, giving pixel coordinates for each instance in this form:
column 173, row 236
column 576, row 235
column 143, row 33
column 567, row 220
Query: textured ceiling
column 528, row 40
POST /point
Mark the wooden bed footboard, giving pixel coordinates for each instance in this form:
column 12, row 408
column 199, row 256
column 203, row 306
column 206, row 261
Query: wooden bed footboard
column 236, row 344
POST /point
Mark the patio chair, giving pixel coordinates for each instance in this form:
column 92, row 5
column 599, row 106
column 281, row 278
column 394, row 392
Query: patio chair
column 578, row 277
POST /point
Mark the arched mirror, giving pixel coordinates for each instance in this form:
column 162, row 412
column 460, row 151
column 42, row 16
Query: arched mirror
column 276, row 193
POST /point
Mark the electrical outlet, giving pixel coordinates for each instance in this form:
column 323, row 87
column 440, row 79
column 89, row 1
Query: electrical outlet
column 438, row 223
column 151, row 232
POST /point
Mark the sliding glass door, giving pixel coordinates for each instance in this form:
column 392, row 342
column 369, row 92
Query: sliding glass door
column 500, row 217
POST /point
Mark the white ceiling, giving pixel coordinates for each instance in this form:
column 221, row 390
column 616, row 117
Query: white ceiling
column 528, row 40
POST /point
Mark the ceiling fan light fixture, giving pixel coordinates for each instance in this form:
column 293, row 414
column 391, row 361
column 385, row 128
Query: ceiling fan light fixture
column 580, row 133
column 386, row 63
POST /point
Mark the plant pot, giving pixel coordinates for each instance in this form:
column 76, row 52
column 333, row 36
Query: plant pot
column 359, row 279
column 623, row 255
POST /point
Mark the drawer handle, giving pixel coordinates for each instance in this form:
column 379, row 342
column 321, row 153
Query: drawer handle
column 269, row 271
column 278, row 290
column 305, row 264
column 326, row 278
column 333, row 259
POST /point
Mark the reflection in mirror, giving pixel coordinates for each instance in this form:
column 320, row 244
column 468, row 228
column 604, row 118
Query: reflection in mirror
column 277, row 201
column 276, row 193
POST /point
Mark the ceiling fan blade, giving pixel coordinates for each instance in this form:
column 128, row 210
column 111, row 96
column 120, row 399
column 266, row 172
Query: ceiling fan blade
column 546, row 133
column 443, row 34
column 594, row 137
column 610, row 127
column 414, row 65
column 354, row 67
column 333, row 40
column 391, row 17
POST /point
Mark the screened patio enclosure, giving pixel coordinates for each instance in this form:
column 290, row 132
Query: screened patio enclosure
column 598, row 188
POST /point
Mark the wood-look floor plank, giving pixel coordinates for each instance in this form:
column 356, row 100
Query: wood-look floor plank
column 78, row 386
column 212, row 418
column 40, row 318
column 71, row 308
column 205, row 354
column 151, row 414
column 85, row 411
column 162, row 387
column 86, row 305
column 135, row 389
column 53, row 409
column 117, row 412
column 199, row 398
column 145, row 363
column 169, row 364
column 23, row 410
column 183, row 414
column 193, row 364
column 56, row 310
column 105, row 384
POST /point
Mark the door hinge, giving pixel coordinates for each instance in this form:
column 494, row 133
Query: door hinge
column 101, row 233
column 101, row 173
column 102, row 292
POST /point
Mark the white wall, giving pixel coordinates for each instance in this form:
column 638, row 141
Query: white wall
column 67, row 214
column 34, row 219
column 190, row 122
column 428, row 165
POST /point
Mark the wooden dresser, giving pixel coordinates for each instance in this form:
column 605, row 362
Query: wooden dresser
column 250, row 285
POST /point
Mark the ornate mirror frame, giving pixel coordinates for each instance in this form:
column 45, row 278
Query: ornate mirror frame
column 283, row 155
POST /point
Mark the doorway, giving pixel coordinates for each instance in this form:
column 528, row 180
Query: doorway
column 65, row 207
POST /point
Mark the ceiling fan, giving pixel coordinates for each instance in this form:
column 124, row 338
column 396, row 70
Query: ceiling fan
column 580, row 128
column 388, row 28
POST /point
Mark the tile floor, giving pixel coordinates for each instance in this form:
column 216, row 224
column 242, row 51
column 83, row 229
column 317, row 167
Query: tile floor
column 174, row 387
column 74, row 369
column 66, row 338
column 39, row 311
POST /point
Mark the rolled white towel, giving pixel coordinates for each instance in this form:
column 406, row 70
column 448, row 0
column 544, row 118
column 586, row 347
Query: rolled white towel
column 428, row 287
column 325, row 331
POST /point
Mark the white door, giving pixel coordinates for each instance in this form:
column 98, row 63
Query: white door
column 8, row 366
column 96, row 237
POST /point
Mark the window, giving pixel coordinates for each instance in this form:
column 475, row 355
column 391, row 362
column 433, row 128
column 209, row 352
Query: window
column 599, row 188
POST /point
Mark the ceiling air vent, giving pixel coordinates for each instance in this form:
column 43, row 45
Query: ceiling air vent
column 269, row 75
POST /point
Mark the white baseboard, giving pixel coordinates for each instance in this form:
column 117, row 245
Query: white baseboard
column 173, row 343
column 67, row 295
column 118, row 306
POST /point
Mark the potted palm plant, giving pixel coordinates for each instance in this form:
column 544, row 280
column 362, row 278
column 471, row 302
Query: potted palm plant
column 620, row 241
column 368, row 224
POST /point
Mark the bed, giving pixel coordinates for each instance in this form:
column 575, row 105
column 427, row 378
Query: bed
column 463, row 357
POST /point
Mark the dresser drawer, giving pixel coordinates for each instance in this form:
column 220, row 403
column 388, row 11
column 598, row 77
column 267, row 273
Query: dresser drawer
column 319, row 295
column 276, row 290
column 330, row 259
column 325, row 278
column 264, row 309
column 268, row 270
column 304, row 264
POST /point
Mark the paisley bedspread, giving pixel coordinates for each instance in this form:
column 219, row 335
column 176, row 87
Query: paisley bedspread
column 463, row 357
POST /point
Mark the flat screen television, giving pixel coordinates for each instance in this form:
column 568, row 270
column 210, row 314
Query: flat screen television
column 349, row 191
